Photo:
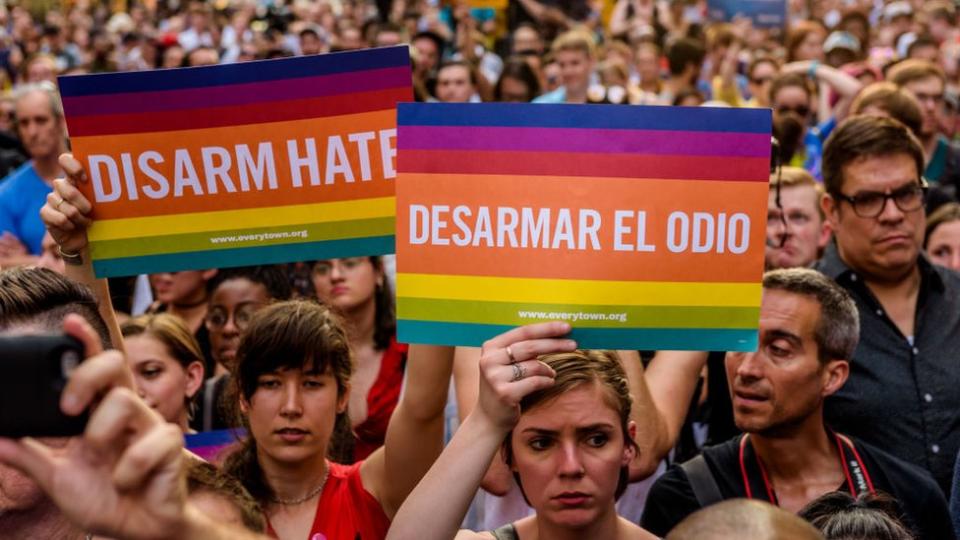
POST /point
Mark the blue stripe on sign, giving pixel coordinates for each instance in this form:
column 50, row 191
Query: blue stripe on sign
column 732, row 120
column 226, row 74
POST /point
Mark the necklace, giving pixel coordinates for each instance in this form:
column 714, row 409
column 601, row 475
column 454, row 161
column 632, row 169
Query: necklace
column 308, row 496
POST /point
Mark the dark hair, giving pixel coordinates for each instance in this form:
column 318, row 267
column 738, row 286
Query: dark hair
column 839, row 516
column 838, row 327
column 461, row 63
column 947, row 213
column 385, row 318
column 894, row 100
column 44, row 297
column 685, row 93
column 788, row 129
column 271, row 277
column 519, row 69
column 788, row 80
column 923, row 40
column 574, row 369
column 866, row 136
column 309, row 32
column 682, row 52
column 205, row 477
column 289, row 335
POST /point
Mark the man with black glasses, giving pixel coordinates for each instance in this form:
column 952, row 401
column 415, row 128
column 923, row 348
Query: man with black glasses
column 902, row 393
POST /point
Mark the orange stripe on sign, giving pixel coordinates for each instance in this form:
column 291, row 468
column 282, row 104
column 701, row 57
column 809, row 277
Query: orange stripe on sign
column 649, row 258
column 333, row 186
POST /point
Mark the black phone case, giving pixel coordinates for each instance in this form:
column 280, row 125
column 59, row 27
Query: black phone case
column 33, row 373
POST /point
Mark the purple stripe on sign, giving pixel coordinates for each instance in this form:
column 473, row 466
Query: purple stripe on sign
column 238, row 94
column 615, row 141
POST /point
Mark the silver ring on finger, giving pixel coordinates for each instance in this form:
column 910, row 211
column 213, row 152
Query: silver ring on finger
column 513, row 359
column 518, row 372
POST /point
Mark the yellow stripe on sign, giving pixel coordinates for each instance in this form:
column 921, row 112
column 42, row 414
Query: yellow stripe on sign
column 575, row 291
column 250, row 218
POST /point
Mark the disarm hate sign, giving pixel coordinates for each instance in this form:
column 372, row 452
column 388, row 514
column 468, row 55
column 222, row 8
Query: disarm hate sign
column 641, row 226
column 251, row 163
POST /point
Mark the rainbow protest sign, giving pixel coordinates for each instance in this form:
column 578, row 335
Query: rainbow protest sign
column 263, row 162
column 643, row 227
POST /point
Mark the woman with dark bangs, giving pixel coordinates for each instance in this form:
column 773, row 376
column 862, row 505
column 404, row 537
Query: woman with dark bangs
column 562, row 424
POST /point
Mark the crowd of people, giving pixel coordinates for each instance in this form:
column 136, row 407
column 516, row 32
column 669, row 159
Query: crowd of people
column 843, row 424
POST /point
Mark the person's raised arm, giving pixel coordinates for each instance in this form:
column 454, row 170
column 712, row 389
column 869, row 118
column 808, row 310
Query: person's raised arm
column 435, row 509
column 415, row 433
column 124, row 477
column 671, row 378
column 847, row 86
column 651, row 437
column 65, row 215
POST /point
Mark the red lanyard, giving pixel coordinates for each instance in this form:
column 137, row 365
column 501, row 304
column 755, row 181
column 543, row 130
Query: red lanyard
column 858, row 479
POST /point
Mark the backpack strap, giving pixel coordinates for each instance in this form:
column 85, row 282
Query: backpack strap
column 701, row 479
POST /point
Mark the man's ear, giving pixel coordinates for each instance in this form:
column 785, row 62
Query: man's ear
column 835, row 374
column 831, row 210
column 826, row 232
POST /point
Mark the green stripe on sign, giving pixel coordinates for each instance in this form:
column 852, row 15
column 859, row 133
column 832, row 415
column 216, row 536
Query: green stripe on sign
column 581, row 316
column 242, row 238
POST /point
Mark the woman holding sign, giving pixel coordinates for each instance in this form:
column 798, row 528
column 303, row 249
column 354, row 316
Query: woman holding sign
column 562, row 423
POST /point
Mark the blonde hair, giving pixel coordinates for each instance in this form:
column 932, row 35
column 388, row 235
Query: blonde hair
column 575, row 40
column 169, row 330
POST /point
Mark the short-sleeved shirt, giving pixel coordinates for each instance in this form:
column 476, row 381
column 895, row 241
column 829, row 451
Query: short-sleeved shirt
column 22, row 194
column 924, row 507
column 903, row 397
column 346, row 511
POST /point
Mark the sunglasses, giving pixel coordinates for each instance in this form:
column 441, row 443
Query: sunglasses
column 801, row 110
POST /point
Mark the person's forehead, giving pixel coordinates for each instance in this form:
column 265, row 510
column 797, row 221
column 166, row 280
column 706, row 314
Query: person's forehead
column 931, row 82
column 454, row 72
column 787, row 311
column 791, row 93
column 237, row 290
column 583, row 405
column 570, row 55
column 880, row 171
column 33, row 104
column 423, row 42
column 803, row 195
column 764, row 68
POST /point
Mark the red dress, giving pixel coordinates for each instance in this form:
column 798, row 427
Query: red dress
column 381, row 400
column 346, row 511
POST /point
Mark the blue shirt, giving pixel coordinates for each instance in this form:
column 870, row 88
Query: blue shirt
column 22, row 194
column 557, row 96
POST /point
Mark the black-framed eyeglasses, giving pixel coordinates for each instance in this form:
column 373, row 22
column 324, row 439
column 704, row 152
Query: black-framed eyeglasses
column 870, row 204
column 217, row 317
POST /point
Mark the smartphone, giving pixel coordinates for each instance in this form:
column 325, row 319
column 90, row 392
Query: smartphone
column 34, row 370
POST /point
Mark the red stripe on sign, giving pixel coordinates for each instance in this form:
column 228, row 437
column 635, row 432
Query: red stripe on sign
column 742, row 169
column 255, row 113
